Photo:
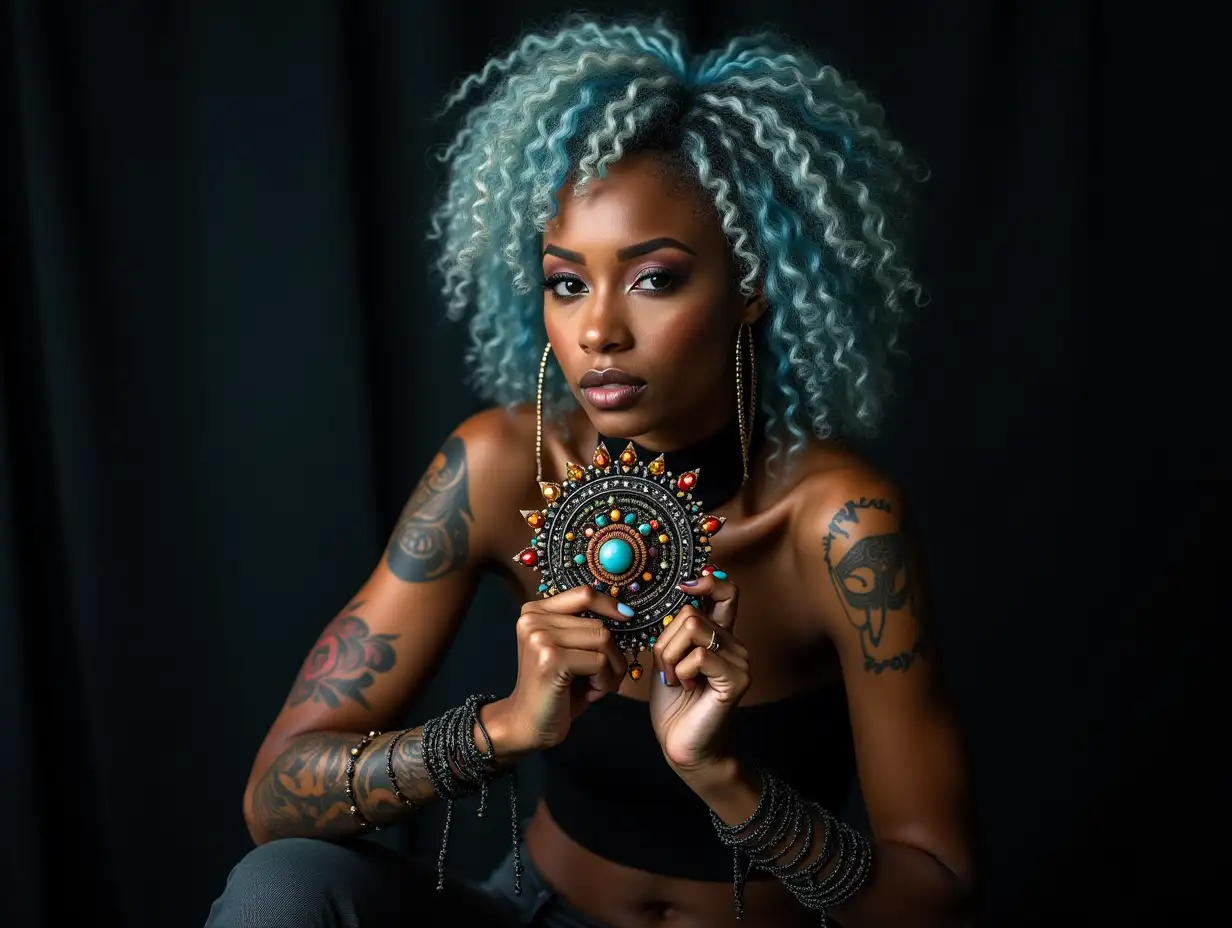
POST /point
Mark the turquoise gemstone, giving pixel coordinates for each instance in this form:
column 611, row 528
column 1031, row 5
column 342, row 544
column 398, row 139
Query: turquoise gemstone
column 615, row 556
column 696, row 604
column 630, row 518
column 543, row 587
column 644, row 528
column 600, row 520
column 579, row 559
column 651, row 640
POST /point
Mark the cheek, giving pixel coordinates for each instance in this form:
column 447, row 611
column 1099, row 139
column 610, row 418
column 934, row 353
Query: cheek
column 690, row 337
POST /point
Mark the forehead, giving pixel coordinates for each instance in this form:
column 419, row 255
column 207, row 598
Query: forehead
column 640, row 199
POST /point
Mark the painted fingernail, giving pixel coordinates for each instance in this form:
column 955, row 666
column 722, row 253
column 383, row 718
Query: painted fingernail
column 718, row 574
column 663, row 677
column 688, row 583
column 625, row 609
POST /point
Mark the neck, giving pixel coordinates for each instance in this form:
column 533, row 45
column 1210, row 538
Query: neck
column 717, row 456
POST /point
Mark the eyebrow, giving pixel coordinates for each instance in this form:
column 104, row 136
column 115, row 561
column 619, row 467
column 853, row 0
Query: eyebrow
column 624, row 254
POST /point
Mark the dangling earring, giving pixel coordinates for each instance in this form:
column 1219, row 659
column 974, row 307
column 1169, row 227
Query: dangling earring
column 543, row 366
column 744, row 420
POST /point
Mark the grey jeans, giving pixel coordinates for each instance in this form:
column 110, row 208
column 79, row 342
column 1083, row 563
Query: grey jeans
column 306, row 883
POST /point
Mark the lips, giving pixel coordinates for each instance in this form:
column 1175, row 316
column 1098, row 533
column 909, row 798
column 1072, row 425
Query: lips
column 611, row 389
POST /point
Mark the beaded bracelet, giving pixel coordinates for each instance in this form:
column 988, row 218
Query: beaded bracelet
column 772, row 829
column 389, row 769
column 350, row 776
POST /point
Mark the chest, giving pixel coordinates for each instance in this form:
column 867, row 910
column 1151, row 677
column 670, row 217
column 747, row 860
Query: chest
column 777, row 618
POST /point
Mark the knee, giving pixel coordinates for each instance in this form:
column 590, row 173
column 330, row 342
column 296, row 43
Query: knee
column 292, row 881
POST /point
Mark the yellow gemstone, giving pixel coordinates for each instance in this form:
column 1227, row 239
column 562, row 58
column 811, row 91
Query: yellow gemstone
column 667, row 620
column 550, row 491
column 568, row 536
column 663, row 539
column 615, row 515
column 574, row 472
column 636, row 671
column 534, row 519
column 657, row 467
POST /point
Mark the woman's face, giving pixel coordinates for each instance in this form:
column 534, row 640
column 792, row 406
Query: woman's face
column 641, row 307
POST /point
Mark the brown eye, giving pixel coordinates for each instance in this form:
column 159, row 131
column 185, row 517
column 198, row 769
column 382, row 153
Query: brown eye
column 564, row 286
column 655, row 281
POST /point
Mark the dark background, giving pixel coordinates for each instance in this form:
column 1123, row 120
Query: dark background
column 223, row 366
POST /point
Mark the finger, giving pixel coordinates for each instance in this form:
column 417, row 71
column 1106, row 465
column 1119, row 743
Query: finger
column 563, row 665
column 690, row 629
column 722, row 593
column 588, row 635
column 583, row 599
column 728, row 680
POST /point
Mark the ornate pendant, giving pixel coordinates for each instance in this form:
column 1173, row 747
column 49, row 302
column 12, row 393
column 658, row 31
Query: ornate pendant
column 633, row 530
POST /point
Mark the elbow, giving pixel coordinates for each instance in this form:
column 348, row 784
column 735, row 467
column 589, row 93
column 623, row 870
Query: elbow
column 256, row 828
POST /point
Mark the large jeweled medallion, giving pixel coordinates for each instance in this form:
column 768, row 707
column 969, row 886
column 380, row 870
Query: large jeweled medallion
column 631, row 529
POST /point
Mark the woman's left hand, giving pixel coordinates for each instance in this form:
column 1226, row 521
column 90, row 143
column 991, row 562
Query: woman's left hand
column 694, row 689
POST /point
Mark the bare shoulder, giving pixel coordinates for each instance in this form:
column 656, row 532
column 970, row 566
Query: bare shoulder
column 834, row 489
column 474, row 481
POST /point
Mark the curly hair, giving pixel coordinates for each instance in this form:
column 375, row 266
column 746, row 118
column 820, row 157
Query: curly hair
column 810, row 188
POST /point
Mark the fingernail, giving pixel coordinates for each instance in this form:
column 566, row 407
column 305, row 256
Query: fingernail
column 625, row 609
column 688, row 583
column 719, row 574
column 663, row 677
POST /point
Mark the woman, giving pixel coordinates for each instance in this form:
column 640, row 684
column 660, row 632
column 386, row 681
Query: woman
column 635, row 230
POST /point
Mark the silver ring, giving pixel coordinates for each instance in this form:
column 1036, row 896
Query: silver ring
column 714, row 640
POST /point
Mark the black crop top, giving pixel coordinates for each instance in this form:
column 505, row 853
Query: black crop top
column 609, row 788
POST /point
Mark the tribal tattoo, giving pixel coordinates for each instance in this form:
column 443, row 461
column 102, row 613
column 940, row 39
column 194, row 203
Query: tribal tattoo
column 430, row 539
column 874, row 581
column 303, row 793
column 343, row 663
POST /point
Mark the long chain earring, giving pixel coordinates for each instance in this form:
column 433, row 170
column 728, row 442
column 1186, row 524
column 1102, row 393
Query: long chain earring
column 744, row 419
column 543, row 366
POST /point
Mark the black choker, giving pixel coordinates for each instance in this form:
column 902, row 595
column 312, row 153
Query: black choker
column 631, row 525
column 723, row 471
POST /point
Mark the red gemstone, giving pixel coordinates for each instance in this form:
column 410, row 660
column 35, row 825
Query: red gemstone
column 529, row 558
column 686, row 481
column 708, row 570
column 654, row 524
column 710, row 525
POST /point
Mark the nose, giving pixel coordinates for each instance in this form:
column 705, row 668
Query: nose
column 605, row 327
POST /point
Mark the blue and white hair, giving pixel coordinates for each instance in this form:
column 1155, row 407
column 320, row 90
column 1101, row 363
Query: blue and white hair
column 809, row 186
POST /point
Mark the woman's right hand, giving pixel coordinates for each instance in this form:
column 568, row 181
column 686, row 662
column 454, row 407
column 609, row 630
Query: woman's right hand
column 565, row 662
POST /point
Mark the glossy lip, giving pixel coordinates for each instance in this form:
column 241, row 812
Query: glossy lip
column 609, row 375
column 614, row 396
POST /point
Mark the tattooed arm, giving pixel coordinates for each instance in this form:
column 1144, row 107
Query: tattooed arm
column 373, row 659
column 911, row 763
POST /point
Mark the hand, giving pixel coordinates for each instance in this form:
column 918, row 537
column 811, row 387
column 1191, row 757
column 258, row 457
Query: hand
column 691, row 701
column 565, row 662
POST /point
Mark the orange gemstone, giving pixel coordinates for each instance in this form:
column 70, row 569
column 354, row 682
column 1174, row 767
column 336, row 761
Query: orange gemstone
column 628, row 456
column 635, row 671
column 703, row 540
column 574, row 472
column 615, row 591
column 550, row 491
column 534, row 519
column 648, row 576
column 663, row 539
column 657, row 466
column 601, row 459
column 615, row 515
column 569, row 536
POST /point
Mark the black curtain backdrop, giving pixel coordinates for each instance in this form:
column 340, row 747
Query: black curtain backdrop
column 223, row 366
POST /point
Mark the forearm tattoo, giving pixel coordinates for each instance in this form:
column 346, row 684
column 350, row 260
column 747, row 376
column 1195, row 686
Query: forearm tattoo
column 431, row 538
column 303, row 793
column 872, row 575
column 343, row 663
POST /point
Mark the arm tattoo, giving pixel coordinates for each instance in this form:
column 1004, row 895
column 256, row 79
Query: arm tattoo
column 874, row 582
column 303, row 793
column 342, row 663
column 430, row 539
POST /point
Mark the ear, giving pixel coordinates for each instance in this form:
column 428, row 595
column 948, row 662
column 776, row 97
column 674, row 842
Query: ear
column 755, row 307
